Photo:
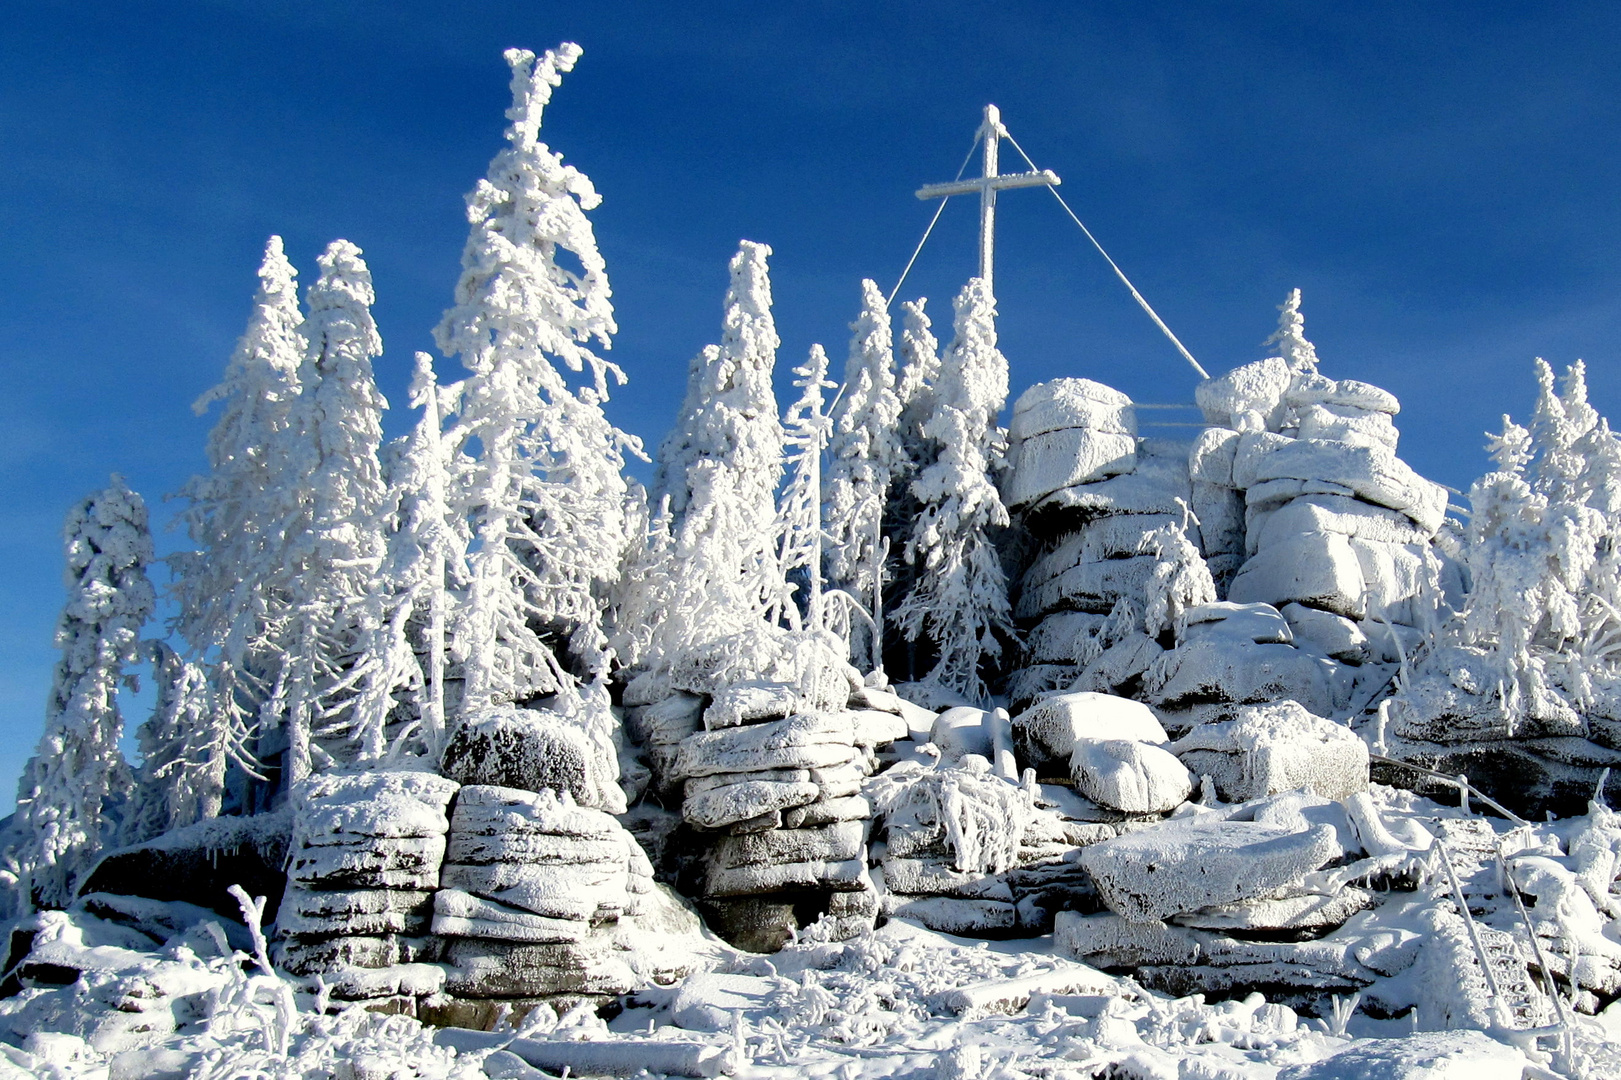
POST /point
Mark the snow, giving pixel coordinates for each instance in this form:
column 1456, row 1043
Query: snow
column 1432, row 1055
column 1129, row 776
column 473, row 706
column 1267, row 749
column 1152, row 873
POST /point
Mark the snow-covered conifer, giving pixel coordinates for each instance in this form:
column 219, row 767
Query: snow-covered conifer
column 77, row 776
column 238, row 513
column 959, row 600
column 920, row 371
column 539, row 473
column 724, row 499
column 334, row 543
column 865, row 456
column 1290, row 336
column 646, row 593
column 1541, row 548
column 184, row 757
column 405, row 652
column 805, row 437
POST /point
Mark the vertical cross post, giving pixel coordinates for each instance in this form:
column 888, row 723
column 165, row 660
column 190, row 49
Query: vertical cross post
column 991, row 131
column 986, row 186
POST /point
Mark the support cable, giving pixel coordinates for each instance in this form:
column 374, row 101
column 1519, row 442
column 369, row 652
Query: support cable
column 890, row 299
column 1152, row 314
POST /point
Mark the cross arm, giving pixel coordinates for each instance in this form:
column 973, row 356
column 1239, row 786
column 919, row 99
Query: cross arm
column 1042, row 178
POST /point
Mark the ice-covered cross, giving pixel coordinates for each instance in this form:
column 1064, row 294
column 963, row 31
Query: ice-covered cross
column 988, row 184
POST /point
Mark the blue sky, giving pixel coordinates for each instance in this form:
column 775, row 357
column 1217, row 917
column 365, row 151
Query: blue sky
column 1441, row 180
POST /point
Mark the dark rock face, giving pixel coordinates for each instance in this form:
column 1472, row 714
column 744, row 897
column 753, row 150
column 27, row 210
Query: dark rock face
column 1531, row 777
column 197, row 864
column 528, row 749
column 763, row 924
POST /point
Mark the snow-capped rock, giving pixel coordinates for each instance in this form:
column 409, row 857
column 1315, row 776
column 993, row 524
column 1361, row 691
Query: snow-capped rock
column 1267, row 749
column 1129, row 776
column 531, row 749
column 1187, row 866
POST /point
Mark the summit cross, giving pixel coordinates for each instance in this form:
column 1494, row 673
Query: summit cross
column 987, row 185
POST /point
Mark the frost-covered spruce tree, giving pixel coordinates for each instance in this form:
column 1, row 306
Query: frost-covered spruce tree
column 865, row 458
column 184, row 756
column 539, row 470
column 1290, row 336
column 919, row 373
column 648, row 590
column 237, row 514
column 723, row 495
column 411, row 600
column 959, row 600
column 334, row 543
column 73, row 786
column 1538, row 635
column 799, row 521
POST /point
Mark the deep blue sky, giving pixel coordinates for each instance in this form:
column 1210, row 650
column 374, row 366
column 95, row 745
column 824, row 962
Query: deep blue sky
column 1440, row 179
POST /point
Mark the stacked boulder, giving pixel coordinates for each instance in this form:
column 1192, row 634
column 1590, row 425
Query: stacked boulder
column 1229, row 655
column 1257, row 897
column 969, row 850
column 539, row 876
column 534, row 886
column 1337, row 530
column 1113, row 750
column 1117, row 555
column 768, row 772
column 365, row 861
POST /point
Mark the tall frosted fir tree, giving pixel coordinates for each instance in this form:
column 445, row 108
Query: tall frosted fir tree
column 1290, row 336
column 77, row 773
column 334, row 543
column 237, row 514
column 959, row 600
column 721, row 476
column 539, row 468
column 425, row 551
column 865, row 456
column 799, row 521
column 183, row 755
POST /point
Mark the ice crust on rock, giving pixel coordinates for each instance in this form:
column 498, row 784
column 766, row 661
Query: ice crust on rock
column 531, row 749
column 1130, row 776
column 383, row 803
column 1053, row 460
column 1254, row 624
column 1267, row 749
column 1055, row 724
column 1180, row 867
column 1071, row 403
column 511, row 969
column 1212, row 670
column 803, row 741
column 733, row 803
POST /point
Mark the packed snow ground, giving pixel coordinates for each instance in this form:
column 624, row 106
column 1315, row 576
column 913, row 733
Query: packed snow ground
column 172, row 990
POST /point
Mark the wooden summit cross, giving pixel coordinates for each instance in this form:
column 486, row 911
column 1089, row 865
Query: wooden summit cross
column 988, row 184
